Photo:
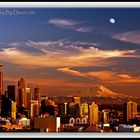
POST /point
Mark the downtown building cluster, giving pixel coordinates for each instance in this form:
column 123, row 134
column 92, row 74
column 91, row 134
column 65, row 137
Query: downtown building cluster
column 24, row 110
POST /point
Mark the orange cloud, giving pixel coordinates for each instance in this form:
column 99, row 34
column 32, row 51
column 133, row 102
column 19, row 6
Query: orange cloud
column 94, row 53
column 125, row 76
column 113, row 77
column 60, row 54
column 103, row 75
column 72, row 72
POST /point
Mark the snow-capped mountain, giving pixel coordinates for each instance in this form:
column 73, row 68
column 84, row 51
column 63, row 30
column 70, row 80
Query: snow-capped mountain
column 101, row 91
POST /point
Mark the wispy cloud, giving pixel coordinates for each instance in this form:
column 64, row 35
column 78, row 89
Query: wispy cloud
column 113, row 77
column 72, row 72
column 14, row 44
column 61, row 53
column 103, row 75
column 130, row 37
column 63, row 22
column 84, row 29
column 125, row 76
column 70, row 24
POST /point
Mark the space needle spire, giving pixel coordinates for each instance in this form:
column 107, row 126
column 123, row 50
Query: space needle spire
column 1, row 80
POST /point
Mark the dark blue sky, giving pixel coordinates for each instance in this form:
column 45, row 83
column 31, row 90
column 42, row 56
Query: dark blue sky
column 35, row 26
column 73, row 45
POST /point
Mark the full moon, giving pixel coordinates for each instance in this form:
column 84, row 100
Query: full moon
column 112, row 20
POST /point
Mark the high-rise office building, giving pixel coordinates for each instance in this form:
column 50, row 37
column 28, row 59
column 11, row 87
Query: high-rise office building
column 28, row 97
column 84, row 110
column 73, row 110
column 130, row 110
column 6, row 107
column 13, row 110
column 34, row 108
column 105, row 116
column 11, row 92
column 62, row 108
column 65, row 107
column 36, row 95
column 1, row 80
column 22, row 99
column 77, row 110
column 47, row 106
column 93, row 113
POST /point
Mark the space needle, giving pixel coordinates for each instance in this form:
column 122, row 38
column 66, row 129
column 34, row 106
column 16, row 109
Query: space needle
column 1, row 80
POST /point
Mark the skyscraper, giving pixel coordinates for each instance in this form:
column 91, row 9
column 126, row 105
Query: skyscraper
column 13, row 109
column 28, row 97
column 73, row 110
column 84, row 110
column 62, row 108
column 47, row 106
column 22, row 99
column 105, row 116
column 65, row 107
column 11, row 92
column 36, row 95
column 1, row 81
column 6, row 106
column 93, row 113
column 130, row 110
column 34, row 108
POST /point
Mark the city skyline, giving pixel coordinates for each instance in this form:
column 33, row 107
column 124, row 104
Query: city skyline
column 64, row 50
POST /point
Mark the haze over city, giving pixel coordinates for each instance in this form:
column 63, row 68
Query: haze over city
column 66, row 50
